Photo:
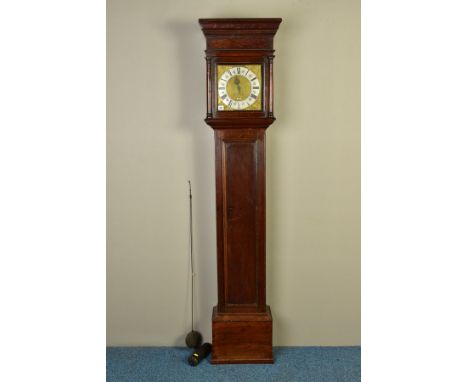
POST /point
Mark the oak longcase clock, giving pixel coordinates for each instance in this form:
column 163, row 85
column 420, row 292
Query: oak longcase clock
column 239, row 58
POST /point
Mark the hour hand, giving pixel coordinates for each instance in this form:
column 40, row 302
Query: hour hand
column 237, row 82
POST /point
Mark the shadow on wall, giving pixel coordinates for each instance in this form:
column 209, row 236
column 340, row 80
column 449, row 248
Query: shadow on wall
column 191, row 92
column 190, row 44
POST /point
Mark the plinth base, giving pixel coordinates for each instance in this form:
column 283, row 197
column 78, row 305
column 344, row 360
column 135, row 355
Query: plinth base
column 242, row 337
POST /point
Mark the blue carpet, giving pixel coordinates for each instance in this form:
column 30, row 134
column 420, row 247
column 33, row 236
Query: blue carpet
column 292, row 364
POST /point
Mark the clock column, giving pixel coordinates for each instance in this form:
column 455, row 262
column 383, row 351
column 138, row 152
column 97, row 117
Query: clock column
column 241, row 322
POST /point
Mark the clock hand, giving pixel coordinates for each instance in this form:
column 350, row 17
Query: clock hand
column 237, row 82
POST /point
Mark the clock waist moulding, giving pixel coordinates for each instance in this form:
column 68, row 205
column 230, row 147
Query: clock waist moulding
column 239, row 75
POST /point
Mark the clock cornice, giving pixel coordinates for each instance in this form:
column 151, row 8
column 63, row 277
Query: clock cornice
column 239, row 34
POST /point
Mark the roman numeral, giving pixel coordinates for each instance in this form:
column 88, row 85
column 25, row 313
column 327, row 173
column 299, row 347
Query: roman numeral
column 238, row 70
column 253, row 96
column 256, row 87
column 224, row 96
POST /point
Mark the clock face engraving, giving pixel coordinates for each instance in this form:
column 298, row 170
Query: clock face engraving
column 239, row 87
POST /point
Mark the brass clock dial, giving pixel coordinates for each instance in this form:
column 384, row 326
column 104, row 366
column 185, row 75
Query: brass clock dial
column 239, row 87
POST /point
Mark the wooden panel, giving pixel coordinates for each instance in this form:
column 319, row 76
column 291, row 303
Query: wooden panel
column 239, row 158
column 262, row 42
column 240, row 206
column 239, row 338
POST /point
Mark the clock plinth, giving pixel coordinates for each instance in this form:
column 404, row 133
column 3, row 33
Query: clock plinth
column 242, row 337
column 239, row 59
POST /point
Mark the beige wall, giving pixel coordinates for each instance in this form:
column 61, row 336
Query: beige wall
column 157, row 140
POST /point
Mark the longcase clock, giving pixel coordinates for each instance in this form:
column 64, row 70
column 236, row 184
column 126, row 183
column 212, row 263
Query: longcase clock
column 239, row 58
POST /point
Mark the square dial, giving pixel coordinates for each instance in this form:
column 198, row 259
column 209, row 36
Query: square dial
column 239, row 87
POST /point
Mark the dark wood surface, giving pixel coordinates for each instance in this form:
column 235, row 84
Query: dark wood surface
column 242, row 337
column 242, row 322
column 240, row 210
